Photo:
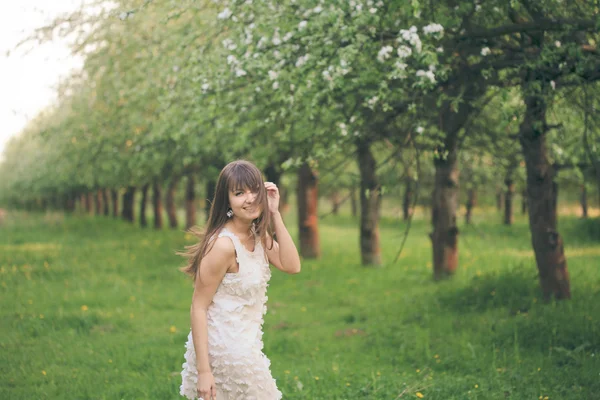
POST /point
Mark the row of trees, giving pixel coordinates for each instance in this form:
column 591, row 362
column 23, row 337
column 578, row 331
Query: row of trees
column 172, row 90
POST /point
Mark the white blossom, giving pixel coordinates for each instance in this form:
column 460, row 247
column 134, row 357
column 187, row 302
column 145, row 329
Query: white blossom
column 302, row 60
column 275, row 85
column 302, row 24
column 420, row 129
column 485, row 51
column 372, row 101
column 478, row 7
column 226, row 13
column 343, row 128
column 229, row 44
column 553, row 84
column 440, row 49
column 372, row 10
column 404, row 51
column 400, row 65
column 205, row 87
column 412, row 37
column 231, row 59
column 317, row 9
column 557, row 43
column 240, row 72
column 273, row 75
column 428, row 74
column 288, row 36
column 433, row 28
column 384, row 53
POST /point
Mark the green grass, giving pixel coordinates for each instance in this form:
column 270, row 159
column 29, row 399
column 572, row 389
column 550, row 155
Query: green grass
column 94, row 308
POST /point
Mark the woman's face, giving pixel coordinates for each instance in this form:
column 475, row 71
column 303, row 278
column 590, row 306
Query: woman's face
column 244, row 205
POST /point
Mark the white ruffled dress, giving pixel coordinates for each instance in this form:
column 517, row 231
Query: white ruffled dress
column 235, row 319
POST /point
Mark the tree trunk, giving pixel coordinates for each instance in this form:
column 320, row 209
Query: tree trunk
column 190, row 202
column 335, row 202
column 445, row 232
column 115, row 202
column 409, row 195
column 307, row 193
column 452, row 118
column 370, row 204
column 98, row 202
column 524, row 201
column 128, row 202
column 157, row 205
column 508, row 201
column 471, row 203
column 143, row 202
column 584, row 201
column 541, row 193
column 353, row 205
column 105, row 204
column 170, row 202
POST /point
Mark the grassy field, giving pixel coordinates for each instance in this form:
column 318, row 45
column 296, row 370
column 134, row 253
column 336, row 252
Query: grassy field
column 94, row 308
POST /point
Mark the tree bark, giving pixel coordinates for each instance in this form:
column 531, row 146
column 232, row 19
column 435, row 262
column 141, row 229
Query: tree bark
column 445, row 231
column 508, row 201
column 128, row 204
column 143, row 202
column 584, row 201
column 307, row 193
column 190, row 202
column 170, row 202
column 471, row 203
column 370, row 204
column 157, row 205
column 105, row 210
column 114, row 194
column 452, row 118
column 541, row 193
column 409, row 194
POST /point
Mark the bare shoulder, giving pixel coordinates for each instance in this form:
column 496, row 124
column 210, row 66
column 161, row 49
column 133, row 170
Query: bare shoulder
column 219, row 256
column 221, row 246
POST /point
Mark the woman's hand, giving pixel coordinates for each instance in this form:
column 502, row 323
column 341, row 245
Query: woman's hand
column 206, row 388
column 272, row 197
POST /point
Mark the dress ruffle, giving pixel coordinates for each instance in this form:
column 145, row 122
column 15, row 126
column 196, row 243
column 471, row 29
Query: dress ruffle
column 235, row 318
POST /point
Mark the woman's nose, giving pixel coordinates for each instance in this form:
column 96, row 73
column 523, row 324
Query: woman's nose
column 250, row 197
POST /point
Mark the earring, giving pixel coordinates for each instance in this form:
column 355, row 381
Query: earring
column 230, row 213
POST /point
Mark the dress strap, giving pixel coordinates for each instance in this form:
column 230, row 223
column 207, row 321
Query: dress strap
column 236, row 242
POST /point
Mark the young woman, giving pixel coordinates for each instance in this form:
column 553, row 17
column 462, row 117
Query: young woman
column 230, row 267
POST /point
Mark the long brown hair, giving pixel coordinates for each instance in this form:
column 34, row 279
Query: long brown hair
column 236, row 175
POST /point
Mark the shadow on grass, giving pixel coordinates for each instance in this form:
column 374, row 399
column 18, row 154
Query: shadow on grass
column 516, row 289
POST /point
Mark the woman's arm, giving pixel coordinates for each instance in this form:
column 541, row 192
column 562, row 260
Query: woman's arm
column 283, row 254
column 210, row 273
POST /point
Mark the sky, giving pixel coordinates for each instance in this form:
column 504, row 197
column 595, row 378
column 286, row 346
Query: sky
column 28, row 76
